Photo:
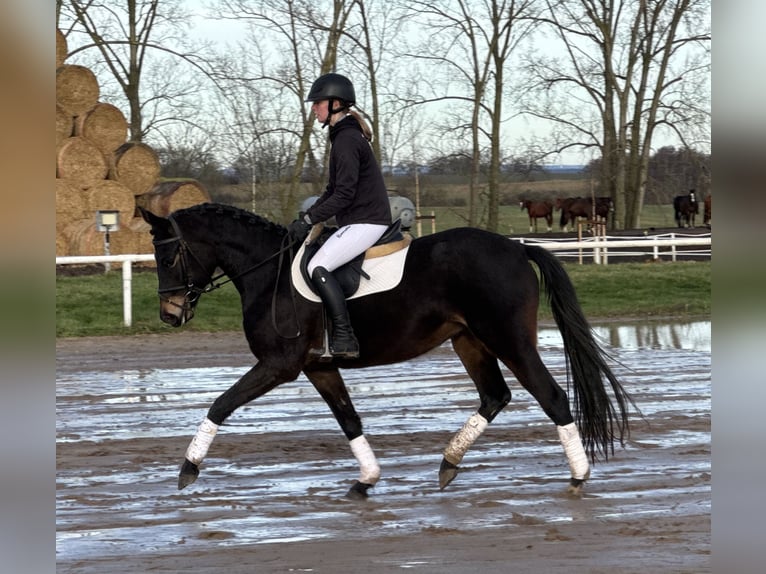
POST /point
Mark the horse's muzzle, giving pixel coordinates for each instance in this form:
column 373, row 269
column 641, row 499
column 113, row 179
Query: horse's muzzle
column 175, row 310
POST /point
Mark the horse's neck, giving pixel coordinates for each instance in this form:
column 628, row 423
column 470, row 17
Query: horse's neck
column 245, row 256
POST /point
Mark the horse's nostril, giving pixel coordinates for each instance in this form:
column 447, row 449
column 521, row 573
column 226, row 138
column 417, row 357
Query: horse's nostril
column 170, row 319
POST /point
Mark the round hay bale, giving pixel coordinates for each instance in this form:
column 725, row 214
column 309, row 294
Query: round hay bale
column 62, row 244
column 111, row 195
column 84, row 238
column 135, row 165
column 61, row 48
column 76, row 88
column 64, row 125
column 71, row 203
column 104, row 125
column 168, row 196
column 80, row 160
column 132, row 239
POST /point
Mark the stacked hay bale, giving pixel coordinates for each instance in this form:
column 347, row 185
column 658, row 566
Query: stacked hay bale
column 98, row 169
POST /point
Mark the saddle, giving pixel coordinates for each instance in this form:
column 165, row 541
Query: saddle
column 349, row 275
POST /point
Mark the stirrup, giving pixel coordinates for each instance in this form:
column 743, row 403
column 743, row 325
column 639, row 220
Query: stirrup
column 323, row 354
column 347, row 354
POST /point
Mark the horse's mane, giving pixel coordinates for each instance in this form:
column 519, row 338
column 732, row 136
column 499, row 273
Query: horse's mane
column 229, row 212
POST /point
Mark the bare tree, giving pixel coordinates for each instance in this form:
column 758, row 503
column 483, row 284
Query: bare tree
column 628, row 63
column 473, row 43
column 127, row 36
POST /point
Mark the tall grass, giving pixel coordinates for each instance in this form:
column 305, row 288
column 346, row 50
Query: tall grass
column 92, row 305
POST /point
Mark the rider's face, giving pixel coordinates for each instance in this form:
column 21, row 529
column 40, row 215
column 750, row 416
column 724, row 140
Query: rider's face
column 320, row 110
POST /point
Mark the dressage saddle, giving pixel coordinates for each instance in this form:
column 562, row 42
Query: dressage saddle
column 349, row 274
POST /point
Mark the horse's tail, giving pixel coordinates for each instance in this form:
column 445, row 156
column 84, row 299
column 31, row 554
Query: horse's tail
column 599, row 421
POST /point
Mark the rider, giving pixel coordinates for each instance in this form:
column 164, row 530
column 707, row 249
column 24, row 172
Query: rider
column 355, row 194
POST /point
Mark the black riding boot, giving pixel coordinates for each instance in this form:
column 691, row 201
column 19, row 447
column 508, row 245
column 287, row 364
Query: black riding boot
column 343, row 343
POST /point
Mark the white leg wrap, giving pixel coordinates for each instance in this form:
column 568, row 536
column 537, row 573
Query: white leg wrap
column 464, row 438
column 368, row 464
column 201, row 441
column 578, row 460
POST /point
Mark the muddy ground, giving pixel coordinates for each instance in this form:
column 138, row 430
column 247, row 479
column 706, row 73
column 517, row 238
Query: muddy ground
column 270, row 497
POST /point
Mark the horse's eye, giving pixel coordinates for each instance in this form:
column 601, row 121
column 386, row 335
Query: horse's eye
column 168, row 263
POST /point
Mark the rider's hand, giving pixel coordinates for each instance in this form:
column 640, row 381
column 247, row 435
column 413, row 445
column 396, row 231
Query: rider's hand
column 298, row 230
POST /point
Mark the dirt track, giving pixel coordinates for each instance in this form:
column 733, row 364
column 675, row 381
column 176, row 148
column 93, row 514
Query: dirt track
column 270, row 495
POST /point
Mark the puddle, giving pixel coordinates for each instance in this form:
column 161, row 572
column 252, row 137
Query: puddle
column 279, row 469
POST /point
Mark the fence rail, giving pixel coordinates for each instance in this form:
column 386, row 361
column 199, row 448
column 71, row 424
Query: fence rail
column 601, row 248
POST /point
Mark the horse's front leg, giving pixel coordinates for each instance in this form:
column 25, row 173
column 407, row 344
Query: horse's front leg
column 329, row 384
column 256, row 382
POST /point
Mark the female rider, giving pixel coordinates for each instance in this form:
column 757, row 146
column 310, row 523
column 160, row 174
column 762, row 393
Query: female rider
column 355, row 194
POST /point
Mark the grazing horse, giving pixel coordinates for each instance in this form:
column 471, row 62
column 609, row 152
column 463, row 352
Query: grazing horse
column 686, row 208
column 536, row 210
column 474, row 288
column 708, row 210
column 574, row 207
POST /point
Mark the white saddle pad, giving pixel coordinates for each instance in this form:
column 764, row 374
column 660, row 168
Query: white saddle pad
column 385, row 273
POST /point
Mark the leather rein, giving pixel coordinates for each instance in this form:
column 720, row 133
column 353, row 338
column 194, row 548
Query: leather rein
column 193, row 292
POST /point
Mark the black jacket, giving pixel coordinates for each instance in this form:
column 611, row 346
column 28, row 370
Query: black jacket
column 356, row 192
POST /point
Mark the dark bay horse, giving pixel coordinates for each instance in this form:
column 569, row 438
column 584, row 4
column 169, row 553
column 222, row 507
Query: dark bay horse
column 536, row 210
column 686, row 207
column 574, row 207
column 472, row 287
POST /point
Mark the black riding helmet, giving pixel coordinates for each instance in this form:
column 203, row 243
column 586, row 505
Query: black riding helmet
column 335, row 88
column 332, row 87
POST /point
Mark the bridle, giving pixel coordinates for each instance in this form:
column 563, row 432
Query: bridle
column 193, row 292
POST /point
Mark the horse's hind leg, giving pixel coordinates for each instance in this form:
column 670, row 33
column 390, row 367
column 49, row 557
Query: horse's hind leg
column 328, row 382
column 524, row 361
column 494, row 394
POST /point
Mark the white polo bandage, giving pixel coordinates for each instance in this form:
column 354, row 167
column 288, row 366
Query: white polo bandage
column 464, row 438
column 578, row 460
column 201, row 441
column 369, row 469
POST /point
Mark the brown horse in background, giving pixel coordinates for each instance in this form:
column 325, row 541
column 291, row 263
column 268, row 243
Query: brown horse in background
column 536, row 210
column 574, row 207
column 708, row 211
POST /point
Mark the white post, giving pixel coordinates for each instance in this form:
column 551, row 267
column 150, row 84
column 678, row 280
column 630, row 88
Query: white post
column 127, row 290
column 673, row 246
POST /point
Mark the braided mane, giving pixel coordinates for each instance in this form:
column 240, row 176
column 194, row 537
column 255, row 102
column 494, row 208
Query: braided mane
column 230, row 212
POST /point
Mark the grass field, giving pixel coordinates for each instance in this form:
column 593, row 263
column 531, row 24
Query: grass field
column 92, row 304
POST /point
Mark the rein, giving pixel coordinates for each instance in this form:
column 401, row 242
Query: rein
column 193, row 293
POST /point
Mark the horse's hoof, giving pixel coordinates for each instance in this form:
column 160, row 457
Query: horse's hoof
column 189, row 473
column 576, row 486
column 447, row 473
column 358, row 491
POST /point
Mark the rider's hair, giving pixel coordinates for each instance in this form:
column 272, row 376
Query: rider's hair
column 366, row 130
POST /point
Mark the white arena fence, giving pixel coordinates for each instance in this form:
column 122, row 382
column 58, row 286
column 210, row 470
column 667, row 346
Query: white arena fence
column 599, row 249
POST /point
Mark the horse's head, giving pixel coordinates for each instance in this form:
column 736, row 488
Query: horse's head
column 182, row 275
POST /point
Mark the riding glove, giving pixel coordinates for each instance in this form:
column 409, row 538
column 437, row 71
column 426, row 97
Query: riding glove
column 299, row 229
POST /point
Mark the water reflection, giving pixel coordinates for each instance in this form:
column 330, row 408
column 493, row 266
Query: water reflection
column 690, row 335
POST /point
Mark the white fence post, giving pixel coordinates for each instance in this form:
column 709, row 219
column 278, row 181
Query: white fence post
column 127, row 293
column 673, row 246
column 127, row 275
